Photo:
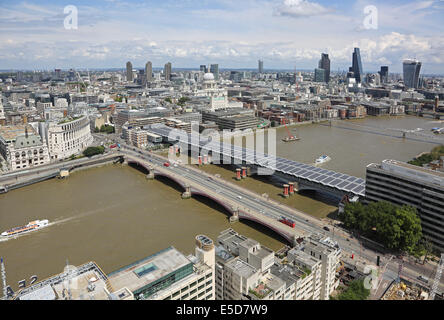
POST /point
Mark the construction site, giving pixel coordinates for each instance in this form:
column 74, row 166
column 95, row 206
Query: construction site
column 405, row 291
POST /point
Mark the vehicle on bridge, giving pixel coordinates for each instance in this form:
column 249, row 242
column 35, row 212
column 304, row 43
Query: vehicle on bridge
column 166, row 164
column 288, row 222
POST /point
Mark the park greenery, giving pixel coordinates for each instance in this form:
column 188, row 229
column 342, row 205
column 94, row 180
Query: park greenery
column 355, row 291
column 168, row 99
column 92, row 151
column 182, row 101
column 426, row 158
column 397, row 228
column 105, row 129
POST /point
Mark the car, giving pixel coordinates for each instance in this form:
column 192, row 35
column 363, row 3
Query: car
column 166, row 164
column 326, row 228
column 239, row 197
column 423, row 279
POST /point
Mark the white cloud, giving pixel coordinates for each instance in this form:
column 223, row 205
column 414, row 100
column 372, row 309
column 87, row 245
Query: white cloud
column 300, row 8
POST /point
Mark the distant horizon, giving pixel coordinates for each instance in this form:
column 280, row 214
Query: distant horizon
column 270, row 70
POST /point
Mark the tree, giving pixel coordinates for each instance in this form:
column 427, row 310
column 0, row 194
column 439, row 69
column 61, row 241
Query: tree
column 168, row 100
column 396, row 227
column 356, row 291
column 92, row 151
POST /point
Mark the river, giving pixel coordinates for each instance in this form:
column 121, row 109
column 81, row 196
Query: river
column 113, row 215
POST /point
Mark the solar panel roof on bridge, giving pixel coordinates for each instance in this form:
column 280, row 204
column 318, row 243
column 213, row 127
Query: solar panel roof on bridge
column 310, row 173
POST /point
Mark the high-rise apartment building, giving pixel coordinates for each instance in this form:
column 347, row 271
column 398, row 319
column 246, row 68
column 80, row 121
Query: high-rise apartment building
column 149, row 71
column 411, row 69
column 129, row 72
column 324, row 63
column 245, row 270
column 261, row 66
column 167, row 71
column 357, row 65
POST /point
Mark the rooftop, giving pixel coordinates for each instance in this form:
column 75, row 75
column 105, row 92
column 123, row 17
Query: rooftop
column 146, row 271
column 11, row 132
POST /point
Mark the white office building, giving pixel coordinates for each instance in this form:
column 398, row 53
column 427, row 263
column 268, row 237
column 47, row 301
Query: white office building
column 68, row 137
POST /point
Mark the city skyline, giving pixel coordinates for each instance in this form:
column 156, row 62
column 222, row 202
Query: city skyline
column 33, row 35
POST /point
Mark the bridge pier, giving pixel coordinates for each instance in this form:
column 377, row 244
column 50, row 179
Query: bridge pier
column 249, row 171
column 235, row 216
column 187, row 193
column 150, row 175
column 244, row 172
column 238, row 174
column 285, row 192
column 291, row 190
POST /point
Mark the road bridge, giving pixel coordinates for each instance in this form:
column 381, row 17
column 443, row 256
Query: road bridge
column 240, row 205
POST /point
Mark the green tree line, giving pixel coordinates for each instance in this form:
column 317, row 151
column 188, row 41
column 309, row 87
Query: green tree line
column 397, row 228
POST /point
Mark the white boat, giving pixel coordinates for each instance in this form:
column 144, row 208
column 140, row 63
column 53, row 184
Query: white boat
column 31, row 226
column 322, row 159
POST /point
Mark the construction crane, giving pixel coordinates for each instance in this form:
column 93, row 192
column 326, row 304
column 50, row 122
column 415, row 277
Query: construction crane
column 437, row 277
column 290, row 136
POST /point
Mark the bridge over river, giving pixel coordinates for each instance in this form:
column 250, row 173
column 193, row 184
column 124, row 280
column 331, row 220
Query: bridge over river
column 308, row 177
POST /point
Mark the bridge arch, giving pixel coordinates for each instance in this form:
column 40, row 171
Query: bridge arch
column 285, row 235
column 218, row 201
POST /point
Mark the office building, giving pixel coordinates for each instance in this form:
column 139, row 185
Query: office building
column 357, row 65
column 319, row 75
column 170, row 275
column 22, row 147
column 324, row 63
column 214, row 69
column 261, row 66
column 406, row 184
column 167, row 71
column 149, row 71
column 203, row 68
column 165, row 275
column 411, row 69
column 129, row 72
column 2, row 112
column 384, row 73
column 67, row 137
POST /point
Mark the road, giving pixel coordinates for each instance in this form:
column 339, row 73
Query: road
column 275, row 210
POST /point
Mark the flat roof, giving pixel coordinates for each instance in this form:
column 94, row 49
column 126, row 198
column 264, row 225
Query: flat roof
column 11, row 132
column 148, row 270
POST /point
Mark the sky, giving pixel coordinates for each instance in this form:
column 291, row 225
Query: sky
column 285, row 34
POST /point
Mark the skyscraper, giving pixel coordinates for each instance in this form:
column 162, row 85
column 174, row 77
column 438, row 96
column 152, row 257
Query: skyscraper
column 129, row 71
column 357, row 65
column 149, row 71
column 203, row 68
column 167, row 71
column 384, row 74
column 214, row 69
column 411, row 69
column 319, row 75
column 324, row 63
column 261, row 66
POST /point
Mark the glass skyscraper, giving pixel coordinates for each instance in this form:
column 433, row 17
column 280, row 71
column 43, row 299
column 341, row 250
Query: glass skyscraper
column 411, row 68
column 357, row 65
column 261, row 66
column 214, row 69
column 324, row 63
